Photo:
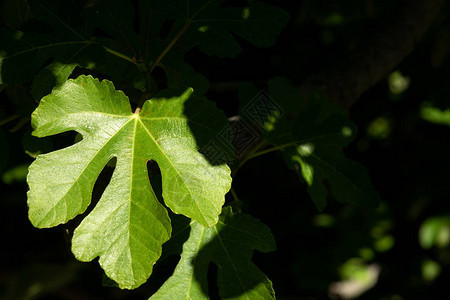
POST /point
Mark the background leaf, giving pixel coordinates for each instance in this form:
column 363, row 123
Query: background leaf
column 52, row 44
column 313, row 142
column 34, row 146
column 52, row 75
column 212, row 26
column 116, row 18
column 181, row 75
column 25, row 53
column 229, row 245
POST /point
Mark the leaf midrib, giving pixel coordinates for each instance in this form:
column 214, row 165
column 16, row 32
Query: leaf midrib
column 244, row 290
column 174, row 168
column 37, row 48
column 194, row 260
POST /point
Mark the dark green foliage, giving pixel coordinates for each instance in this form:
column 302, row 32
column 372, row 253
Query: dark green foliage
column 311, row 133
column 229, row 245
column 132, row 153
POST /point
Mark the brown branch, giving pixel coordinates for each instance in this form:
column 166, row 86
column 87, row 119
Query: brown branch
column 346, row 81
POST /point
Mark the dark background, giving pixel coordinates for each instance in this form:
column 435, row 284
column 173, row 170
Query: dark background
column 407, row 158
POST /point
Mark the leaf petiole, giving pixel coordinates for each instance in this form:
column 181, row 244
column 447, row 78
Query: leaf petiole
column 9, row 119
column 254, row 154
column 272, row 149
column 121, row 55
column 170, row 45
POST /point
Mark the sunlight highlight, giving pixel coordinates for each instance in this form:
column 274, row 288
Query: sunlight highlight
column 203, row 28
column 435, row 115
column 245, row 13
column 398, row 83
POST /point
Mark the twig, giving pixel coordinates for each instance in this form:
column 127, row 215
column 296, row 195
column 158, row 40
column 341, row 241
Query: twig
column 170, row 45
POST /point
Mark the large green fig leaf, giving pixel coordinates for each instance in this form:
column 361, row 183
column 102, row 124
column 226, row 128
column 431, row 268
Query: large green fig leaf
column 128, row 225
column 230, row 246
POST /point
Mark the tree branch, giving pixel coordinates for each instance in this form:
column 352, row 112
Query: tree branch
column 346, row 81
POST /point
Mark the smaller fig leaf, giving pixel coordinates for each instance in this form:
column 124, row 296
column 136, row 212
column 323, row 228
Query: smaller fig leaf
column 229, row 245
column 312, row 133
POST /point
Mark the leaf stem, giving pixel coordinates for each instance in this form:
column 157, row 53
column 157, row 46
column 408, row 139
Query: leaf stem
column 271, row 150
column 254, row 154
column 147, row 93
column 238, row 203
column 9, row 119
column 170, row 45
column 233, row 193
column 121, row 55
column 20, row 124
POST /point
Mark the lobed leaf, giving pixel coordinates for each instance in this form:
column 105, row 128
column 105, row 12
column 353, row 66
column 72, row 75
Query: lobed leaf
column 229, row 245
column 312, row 134
column 318, row 152
column 24, row 54
column 53, row 54
column 181, row 75
column 212, row 26
column 128, row 225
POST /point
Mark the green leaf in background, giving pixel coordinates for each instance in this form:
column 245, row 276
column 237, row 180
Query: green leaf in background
column 34, row 146
column 318, row 152
column 229, row 245
column 15, row 174
column 15, row 12
column 51, row 75
column 435, row 115
column 211, row 26
column 24, row 54
column 313, row 141
column 181, row 75
column 38, row 280
column 128, row 225
column 435, row 231
column 52, row 54
column 116, row 17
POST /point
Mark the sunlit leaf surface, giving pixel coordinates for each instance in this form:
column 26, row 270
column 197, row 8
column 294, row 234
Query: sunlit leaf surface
column 128, row 225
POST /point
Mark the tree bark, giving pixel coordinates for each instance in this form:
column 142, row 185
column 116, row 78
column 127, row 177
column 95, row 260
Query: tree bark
column 346, row 81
